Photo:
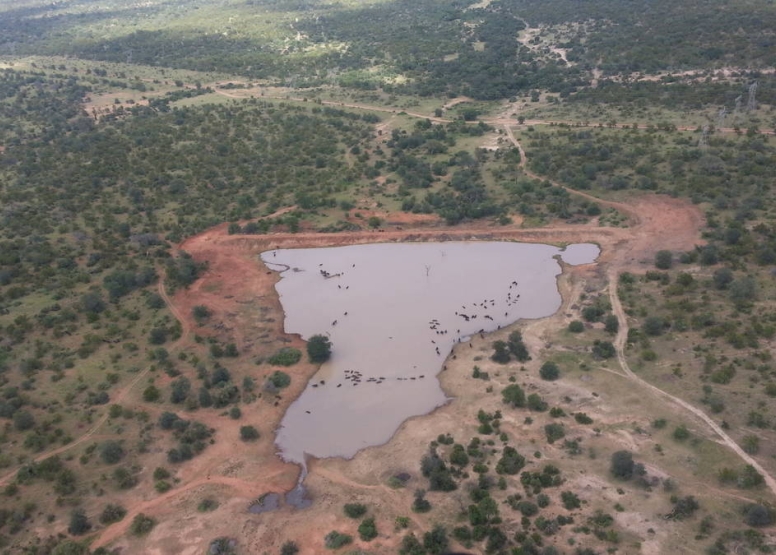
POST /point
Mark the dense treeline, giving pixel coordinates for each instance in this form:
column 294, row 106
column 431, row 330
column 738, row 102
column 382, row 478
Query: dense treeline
column 673, row 93
column 635, row 36
column 443, row 47
column 731, row 171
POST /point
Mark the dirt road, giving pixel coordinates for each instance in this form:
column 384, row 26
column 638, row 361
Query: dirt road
column 619, row 344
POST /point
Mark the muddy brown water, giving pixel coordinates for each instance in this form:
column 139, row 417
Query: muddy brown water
column 394, row 312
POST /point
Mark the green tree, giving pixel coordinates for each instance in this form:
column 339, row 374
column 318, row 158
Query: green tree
column 681, row 433
column 549, row 371
column 554, row 432
column 69, row 547
column 367, row 530
column 23, row 420
column 319, row 348
column 603, row 349
column 517, row 347
column 722, row 278
column 112, row 513
column 500, row 353
column 751, row 444
column 664, row 260
column 335, row 540
column 279, row 379
column 249, row 433
column 511, row 462
column 611, row 324
column 151, row 394
column 179, row 390
column 79, row 523
column 576, row 326
column 354, row 510
column 570, row 500
column 758, row 515
column 201, row 312
column 513, row 395
column 622, row 465
column 536, row 403
column 653, row 325
column 141, row 525
column 287, row 356
column 436, row 541
column 111, row 451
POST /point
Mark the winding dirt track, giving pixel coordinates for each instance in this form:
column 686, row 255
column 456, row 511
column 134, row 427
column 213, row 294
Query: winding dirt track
column 253, row 488
column 491, row 121
column 619, row 344
column 622, row 336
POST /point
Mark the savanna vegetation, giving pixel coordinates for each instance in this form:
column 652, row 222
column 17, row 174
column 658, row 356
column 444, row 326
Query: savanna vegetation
column 117, row 144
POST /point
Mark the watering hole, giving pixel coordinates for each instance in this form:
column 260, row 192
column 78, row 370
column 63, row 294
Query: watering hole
column 394, row 312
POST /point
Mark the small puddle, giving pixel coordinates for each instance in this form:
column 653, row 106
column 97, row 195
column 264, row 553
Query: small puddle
column 266, row 503
column 394, row 313
column 298, row 497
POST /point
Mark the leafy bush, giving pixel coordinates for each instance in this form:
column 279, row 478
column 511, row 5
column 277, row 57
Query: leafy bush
column 517, row 347
column 653, row 325
column 681, row 433
column 141, row 525
column 420, row 504
column 664, row 260
column 248, row 433
column 611, row 324
column 684, row 507
column 576, row 326
column 162, row 486
column 570, row 500
column 124, row 478
column 513, row 395
column 111, row 452
column 603, row 349
column 549, row 371
column 335, row 540
column 758, row 515
column 500, row 352
column 207, row 505
column 112, row 513
column 622, row 465
column 279, row 379
column 536, row 403
column 511, row 462
column 435, row 542
column 554, row 432
column 151, row 394
column 79, row 523
column 354, row 510
column 582, row 418
column 367, row 530
column 287, row 356
column 201, row 312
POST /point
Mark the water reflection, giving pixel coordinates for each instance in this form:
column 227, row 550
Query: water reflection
column 394, row 312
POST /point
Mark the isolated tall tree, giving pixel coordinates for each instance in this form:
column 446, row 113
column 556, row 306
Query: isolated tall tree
column 319, row 348
column 622, row 464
